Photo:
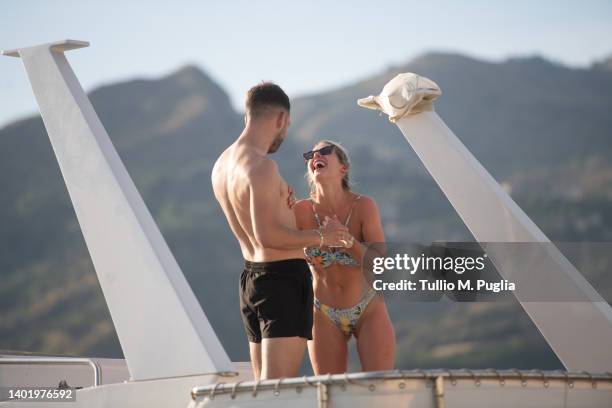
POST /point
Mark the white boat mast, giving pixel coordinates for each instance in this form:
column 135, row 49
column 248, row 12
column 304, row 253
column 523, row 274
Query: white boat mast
column 573, row 318
column 160, row 324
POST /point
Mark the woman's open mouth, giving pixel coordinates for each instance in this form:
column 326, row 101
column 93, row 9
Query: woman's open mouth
column 318, row 164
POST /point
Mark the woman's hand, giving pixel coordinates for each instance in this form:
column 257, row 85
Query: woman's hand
column 348, row 243
column 344, row 238
column 334, row 233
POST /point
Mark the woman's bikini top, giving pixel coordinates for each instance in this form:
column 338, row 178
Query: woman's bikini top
column 317, row 256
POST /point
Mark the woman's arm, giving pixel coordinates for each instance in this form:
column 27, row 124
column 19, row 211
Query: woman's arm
column 371, row 231
column 301, row 210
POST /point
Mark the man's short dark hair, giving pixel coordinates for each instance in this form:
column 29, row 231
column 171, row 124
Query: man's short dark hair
column 266, row 95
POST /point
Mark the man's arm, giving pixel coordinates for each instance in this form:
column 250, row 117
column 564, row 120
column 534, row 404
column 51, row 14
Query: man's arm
column 265, row 207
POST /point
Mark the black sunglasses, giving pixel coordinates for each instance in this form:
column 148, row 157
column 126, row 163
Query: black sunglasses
column 324, row 151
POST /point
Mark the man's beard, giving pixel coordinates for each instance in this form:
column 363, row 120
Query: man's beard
column 276, row 143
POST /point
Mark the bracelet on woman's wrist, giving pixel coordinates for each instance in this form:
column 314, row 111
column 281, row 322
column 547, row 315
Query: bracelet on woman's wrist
column 350, row 242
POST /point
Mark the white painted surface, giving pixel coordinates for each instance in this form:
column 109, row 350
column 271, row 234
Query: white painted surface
column 160, row 324
column 537, row 391
column 579, row 329
column 382, row 389
column 49, row 374
column 160, row 393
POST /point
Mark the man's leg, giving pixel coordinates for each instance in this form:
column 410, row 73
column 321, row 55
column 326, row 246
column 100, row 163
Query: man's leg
column 281, row 356
column 255, row 350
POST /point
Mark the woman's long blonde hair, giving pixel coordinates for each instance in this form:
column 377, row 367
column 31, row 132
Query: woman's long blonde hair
column 342, row 156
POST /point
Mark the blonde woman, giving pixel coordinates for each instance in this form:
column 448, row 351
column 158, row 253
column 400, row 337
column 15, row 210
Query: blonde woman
column 345, row 304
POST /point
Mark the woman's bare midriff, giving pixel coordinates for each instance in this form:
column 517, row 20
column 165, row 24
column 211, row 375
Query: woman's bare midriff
column 339, row 286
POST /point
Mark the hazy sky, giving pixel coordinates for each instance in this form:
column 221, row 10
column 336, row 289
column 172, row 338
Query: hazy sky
column 305, row 47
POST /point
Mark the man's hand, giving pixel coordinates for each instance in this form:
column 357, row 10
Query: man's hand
column 290, row 196
column 334, row 233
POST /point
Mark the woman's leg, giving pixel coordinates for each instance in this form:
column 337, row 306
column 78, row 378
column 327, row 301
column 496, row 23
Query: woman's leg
column 328, row 349
column 376, row 338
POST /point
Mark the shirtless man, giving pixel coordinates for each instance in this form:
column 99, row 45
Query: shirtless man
column 275, row 286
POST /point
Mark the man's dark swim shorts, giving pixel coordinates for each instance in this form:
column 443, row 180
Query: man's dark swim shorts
column 276, row 299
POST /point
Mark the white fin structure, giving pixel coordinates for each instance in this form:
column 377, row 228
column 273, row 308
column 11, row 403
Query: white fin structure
column 161, row 326
column 573, row 318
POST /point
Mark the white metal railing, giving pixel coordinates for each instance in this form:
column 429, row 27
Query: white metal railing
column 97, row 372
column 433, row 378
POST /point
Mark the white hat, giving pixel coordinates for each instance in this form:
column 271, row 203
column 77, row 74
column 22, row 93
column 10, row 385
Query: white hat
column 405, row 94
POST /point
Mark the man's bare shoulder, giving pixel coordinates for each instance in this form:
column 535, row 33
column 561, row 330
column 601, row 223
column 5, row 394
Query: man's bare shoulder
column 219, row 163
column 263, row 168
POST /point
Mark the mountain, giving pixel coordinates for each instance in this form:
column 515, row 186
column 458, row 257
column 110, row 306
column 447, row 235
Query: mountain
column 530, row 122
column 605, row 64
column 168, row 132
column 539, row 127
column 538, row 111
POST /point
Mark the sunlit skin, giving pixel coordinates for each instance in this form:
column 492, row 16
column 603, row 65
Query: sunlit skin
column 257, row 204
column 342, row 286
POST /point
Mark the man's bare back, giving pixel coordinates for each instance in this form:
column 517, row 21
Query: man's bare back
column 234, row 173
